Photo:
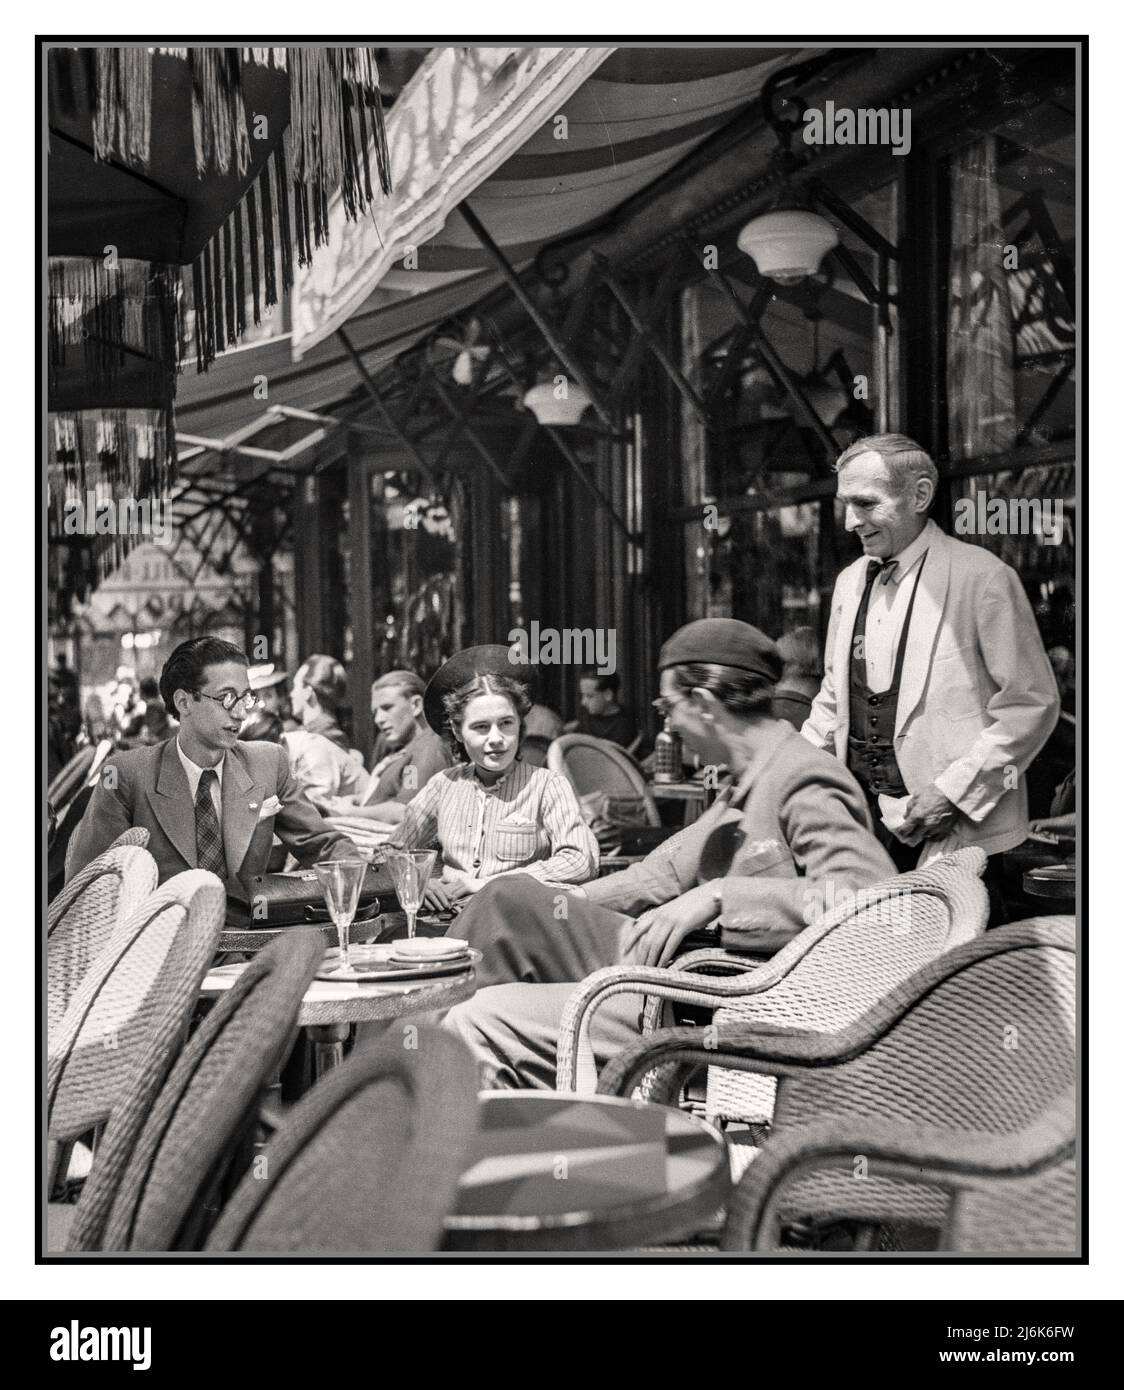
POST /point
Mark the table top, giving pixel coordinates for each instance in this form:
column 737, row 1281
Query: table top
column 554, row 1171
column 678, row 791
column 1051, row 881
column 341, row 1001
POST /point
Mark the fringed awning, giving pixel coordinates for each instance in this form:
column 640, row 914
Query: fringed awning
column 334, row 137
column 115, row 333
column 109, row 473
column 275, row 133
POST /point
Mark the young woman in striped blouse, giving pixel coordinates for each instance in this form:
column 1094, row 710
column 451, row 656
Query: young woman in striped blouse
column 496, row 814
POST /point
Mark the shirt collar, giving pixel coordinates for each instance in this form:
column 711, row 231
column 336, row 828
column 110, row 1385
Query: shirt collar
column 500, row 780
column 193, row 770
column 909, row 557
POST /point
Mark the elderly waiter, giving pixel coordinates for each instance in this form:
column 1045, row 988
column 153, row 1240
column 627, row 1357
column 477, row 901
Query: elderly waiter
column 937, row 691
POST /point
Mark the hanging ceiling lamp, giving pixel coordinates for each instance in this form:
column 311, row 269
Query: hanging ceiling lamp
column 788, row 244
column 557, row 402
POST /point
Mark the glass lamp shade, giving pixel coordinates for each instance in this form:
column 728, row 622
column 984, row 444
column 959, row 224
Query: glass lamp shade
column 549, row 409
column 789, row 244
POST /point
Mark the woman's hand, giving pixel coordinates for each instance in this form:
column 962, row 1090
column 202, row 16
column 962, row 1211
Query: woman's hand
column 438, row 895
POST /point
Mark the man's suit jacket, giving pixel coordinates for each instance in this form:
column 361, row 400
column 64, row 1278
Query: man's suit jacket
column 149, row 788
column 978, row 697
column 787, row 842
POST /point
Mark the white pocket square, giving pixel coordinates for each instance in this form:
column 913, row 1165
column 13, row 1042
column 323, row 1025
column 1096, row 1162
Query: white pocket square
column 269, row 807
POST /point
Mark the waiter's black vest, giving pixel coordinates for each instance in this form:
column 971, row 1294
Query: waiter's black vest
column 870, row 740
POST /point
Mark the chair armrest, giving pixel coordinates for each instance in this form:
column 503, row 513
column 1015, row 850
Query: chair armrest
column 925, row 1155
column 764, row 1049
column 682, row 986
column 710, row 961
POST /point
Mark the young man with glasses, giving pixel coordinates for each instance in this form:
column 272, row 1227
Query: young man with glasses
column 207, row 800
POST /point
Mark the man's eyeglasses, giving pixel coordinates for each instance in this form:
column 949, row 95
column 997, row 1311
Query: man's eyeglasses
column 663, row 706
column 248, row 700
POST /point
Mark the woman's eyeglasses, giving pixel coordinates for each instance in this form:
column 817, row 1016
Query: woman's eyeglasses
column 248, row 700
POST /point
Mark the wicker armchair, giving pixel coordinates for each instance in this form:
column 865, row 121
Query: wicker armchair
column 1012, row 1194
column 130, row 1014
column 367, row 1161
column 85, row 915
column 978, row 1041
column 596, row 765
column 823, row 979
column 192, row 1143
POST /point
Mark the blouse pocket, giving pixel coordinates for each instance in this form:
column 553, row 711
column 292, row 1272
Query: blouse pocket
column 516, row 844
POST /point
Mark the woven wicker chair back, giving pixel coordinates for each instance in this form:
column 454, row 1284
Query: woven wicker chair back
column 596, row 765
column 1020, row 1216
column 136, row 838
column 202, row 1117
column 147, row 975
column 987, row 1048
column 368, row 1160
column 84, row 917
column 859, row 951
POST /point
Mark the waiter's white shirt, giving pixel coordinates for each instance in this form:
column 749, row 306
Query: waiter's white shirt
column 194, row 772
column 889, row 603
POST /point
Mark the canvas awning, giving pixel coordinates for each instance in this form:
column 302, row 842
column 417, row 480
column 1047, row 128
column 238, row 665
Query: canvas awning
column 546, row 141
column 641, row 112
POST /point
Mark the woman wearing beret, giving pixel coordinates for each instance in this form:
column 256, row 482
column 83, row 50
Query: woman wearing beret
column 494, row 814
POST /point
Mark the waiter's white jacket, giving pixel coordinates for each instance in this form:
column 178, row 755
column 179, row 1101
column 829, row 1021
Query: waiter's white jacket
column 978, row 696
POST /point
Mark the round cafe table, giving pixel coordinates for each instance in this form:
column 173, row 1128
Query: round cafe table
column 553, row 1171
column 330, row 1007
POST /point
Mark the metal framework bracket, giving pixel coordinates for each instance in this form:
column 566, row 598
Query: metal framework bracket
column 657, row 349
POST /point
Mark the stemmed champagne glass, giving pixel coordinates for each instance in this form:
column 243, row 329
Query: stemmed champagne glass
column 410, row 871
column 341, row 882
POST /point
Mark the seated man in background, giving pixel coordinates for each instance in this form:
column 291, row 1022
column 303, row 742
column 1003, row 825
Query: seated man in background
column 415, row 753
column 323, row 770
column 602, row 714
column 790, row 833
column 318, row 694
column 207, row 800
column 801, row 676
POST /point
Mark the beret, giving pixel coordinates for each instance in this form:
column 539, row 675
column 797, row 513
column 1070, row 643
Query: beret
column 725, row 642
column 492, row 659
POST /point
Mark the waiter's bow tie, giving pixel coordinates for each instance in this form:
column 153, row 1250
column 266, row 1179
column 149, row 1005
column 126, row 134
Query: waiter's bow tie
column 883, row 568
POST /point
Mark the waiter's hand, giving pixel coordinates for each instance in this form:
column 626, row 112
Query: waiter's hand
column 654, row 938
column 929, row 814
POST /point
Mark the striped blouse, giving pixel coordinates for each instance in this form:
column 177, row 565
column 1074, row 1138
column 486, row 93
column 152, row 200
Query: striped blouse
column 527, row 822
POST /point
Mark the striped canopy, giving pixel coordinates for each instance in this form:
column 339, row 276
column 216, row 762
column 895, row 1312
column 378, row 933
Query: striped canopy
column 633, row 117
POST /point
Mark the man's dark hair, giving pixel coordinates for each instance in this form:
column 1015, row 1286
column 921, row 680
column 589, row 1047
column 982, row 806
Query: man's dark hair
column 327, row 677
column 741, row 692
column 611, row 682
column 261, row 727
column 186, row 668
column 800, row 652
